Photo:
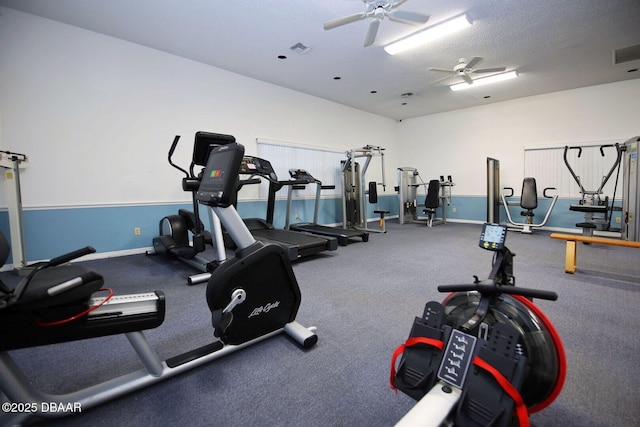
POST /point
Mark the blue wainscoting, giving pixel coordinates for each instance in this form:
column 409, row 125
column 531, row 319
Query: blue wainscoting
column 110, row 229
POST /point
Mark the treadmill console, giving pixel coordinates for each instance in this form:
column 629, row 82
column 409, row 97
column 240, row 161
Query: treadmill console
column 493, row 236
column 301, row 176
column 256, row 166
column 218, row 184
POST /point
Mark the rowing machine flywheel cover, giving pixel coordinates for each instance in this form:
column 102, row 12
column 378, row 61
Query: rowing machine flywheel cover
column 541, row 344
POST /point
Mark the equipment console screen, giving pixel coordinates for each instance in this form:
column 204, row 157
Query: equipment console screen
column 493, row 236
column 220, row 175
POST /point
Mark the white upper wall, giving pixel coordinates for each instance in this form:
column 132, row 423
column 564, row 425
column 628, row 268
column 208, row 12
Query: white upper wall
column 457, row 143
column 96, row 115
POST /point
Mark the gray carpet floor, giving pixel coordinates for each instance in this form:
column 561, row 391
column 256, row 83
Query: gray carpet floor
column 363, row 299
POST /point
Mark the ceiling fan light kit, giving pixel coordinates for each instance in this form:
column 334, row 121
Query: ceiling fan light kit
column 431, row 33
column 377, row 10
column 485, row 80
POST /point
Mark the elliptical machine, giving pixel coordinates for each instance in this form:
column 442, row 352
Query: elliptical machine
column 486, row 356
column 176, row 230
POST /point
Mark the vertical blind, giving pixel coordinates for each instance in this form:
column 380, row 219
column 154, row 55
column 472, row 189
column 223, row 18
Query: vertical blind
column 547, row 166
column 322, row 163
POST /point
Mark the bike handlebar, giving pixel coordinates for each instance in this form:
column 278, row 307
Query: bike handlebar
column 63, row 259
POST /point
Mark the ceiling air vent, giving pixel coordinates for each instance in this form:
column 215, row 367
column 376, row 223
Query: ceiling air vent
column 626, row 54
column 300, row 48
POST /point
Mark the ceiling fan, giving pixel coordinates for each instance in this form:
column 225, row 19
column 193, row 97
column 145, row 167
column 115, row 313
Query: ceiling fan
column 463, row 69
column 378, row 10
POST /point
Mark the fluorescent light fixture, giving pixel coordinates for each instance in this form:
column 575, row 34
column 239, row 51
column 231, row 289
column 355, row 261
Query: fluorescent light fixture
column 434, row 32
column 485, row 81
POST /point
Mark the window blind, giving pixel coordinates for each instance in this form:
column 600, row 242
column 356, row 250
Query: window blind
column 323, row 163
column 547, row 166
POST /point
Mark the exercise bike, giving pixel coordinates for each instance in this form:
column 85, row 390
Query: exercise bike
column 486, row 356
column 252, row 296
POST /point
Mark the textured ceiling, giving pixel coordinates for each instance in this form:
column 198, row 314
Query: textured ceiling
column 553, row 44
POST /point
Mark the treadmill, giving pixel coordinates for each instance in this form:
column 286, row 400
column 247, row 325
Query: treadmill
column 297, row 245
column 300, row 178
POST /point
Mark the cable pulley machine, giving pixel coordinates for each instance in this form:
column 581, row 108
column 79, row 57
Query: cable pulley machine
column 356, row 191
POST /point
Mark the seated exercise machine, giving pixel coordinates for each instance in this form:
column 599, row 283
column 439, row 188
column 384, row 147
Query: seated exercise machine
column 437, row 195
column 437, row 192
column 183, row 236
column 300, row 178
column 529, row 202
column 597, row 211
column 252, row 296
column 486, row 356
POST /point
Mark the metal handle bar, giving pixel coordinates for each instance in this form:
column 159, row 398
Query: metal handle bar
column 174, row 144
column 62, row 259
column 493, row 289
column 544, row 192
column 512, row 191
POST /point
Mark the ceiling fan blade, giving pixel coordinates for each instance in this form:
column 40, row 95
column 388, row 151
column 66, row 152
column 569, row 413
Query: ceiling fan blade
column 373, row 31
column 412, row 18
column 443, row 70
column 490, row 70
column 466, row 78
column 435, row 82
column 343, row 21
column 397, row 3
column 473, row 62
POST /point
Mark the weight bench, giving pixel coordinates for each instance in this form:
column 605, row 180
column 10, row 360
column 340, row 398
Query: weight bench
column 572, row 247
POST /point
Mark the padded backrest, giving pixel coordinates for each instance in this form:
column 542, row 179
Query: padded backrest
column 373, row 192
column 4, row 249
column 433, row 195
column 529, row 196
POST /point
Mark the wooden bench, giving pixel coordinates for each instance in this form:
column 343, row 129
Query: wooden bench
column 572, row 247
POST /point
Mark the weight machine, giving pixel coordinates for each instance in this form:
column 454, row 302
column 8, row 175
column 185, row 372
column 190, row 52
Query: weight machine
column 597, row 211
column 630, row 193
column 437, row 195
column 355, row 190
column 12, row 163
column 529, row 202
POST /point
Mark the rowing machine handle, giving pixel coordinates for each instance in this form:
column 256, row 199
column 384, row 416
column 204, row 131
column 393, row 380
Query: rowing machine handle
column 492, row 289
